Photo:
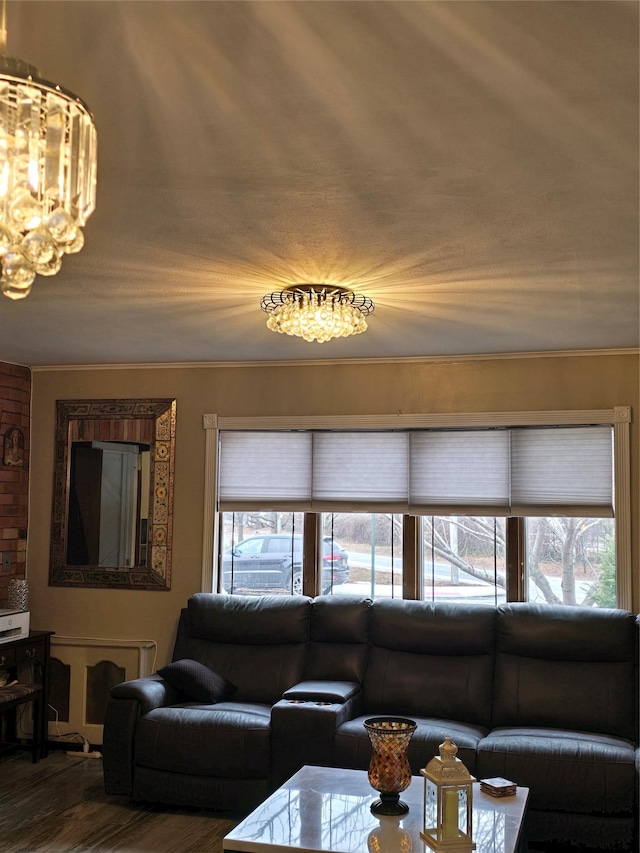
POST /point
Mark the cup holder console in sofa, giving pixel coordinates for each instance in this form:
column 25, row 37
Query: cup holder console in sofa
column 544, row 695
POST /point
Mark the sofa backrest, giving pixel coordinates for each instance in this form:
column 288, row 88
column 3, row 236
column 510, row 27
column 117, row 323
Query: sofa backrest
column 566, row 667
column 339, row 638
column 431, row 660
column 259, row 643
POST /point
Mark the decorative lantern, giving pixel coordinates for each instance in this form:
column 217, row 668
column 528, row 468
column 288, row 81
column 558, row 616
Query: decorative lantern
column 448, row 802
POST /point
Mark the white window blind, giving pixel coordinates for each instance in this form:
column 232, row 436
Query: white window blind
column 362, row 469
column 461, row 472
column 264, row 470
column 564, row 471
column 517, row 471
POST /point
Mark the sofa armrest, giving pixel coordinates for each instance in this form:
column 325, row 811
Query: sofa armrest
column 150, row 692
column 303, row 732
column 127, row 703
column 322, row 691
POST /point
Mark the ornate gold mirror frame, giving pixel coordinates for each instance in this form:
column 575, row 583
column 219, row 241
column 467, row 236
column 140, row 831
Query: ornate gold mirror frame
column 152, row 421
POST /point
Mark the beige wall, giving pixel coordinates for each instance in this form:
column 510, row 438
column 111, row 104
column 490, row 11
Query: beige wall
column 510, row 384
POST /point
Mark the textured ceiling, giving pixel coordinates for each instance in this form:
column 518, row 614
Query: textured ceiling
column 471, row 166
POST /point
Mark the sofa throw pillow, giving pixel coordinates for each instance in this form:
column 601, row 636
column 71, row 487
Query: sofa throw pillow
column 197, row 681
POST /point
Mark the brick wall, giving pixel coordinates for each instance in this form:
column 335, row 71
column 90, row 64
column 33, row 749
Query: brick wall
column 15, row 408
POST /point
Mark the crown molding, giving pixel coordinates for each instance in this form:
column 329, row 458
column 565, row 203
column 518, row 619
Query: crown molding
column 320, row 362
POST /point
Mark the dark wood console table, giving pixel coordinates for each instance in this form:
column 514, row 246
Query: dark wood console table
column 27, row 661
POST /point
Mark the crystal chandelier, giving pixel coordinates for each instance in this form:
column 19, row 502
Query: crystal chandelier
column 48, row 153
column 317, row 312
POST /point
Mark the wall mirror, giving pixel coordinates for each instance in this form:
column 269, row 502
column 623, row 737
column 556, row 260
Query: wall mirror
column 111, row 522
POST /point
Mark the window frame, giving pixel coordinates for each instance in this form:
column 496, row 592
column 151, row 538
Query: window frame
column 619, row 417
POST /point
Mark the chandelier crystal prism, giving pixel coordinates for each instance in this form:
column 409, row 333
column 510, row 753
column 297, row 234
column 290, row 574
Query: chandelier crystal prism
column 48, row 161
column 317, row 312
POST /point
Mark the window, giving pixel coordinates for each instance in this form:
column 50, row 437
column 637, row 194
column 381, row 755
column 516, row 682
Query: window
column 568, row 560
column 368, row 555
column 249, row 548
column 256, row 560
column 571, row 561
column 464, row 559
column 413, row 507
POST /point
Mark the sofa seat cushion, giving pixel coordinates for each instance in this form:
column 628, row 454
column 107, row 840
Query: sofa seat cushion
column 352, row 747
column 229, row 739
column 566, row 770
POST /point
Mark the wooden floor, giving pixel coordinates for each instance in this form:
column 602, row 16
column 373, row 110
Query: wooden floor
column 59, row 806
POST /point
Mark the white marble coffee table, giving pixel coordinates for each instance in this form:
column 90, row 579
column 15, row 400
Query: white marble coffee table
column 327, row 810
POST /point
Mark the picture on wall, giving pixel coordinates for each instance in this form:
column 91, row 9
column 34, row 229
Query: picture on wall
column 13, row 447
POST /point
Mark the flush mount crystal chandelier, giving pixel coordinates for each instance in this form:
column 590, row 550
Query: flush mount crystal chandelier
column 48, row 154
column 317, row 312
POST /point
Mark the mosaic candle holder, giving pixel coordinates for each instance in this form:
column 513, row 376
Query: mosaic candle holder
column 389, row 770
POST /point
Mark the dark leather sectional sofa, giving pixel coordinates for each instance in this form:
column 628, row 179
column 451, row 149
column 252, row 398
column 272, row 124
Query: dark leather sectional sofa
column 544, row 695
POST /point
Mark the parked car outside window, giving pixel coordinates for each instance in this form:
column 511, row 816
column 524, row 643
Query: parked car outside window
column 274, row 561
